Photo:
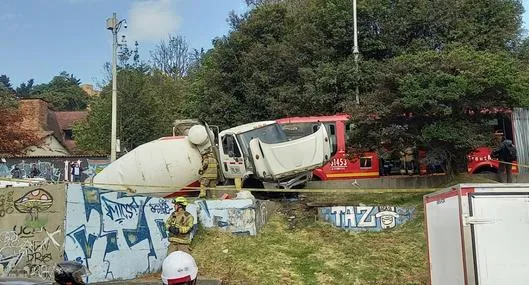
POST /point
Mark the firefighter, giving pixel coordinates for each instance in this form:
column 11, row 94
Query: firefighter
column 179, row 268
column 208, row 172
column 179, row 226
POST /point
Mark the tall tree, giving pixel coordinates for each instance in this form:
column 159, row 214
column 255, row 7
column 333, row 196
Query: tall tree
column 5, row 82
column 63, row 93
column 436, row 101
column 25, row 89
column 172, row 57
column 148, row 103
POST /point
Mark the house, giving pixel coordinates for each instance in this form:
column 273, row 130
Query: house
column 55, row 128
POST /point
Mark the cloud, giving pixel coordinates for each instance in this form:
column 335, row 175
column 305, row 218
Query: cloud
column 152, row 20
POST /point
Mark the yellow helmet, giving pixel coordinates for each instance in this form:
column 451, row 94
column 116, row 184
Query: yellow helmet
column 180, row 200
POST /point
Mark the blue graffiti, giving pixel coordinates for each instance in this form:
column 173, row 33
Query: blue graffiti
column 120, row 211
column 204, row 206
column 161, row 227
column 91, row 201
column 87, row 244
column 161, row 207
column 141, row 233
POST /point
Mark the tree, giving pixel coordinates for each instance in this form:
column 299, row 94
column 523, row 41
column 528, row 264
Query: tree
column 15, row 139
column 25, row 89
column 63, row 93
column 436, row 101
column 173, row 57
column 148, row 105
column 5, row 82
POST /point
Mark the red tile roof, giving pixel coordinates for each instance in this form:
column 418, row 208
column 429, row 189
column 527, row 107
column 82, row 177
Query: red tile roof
column 67, row 119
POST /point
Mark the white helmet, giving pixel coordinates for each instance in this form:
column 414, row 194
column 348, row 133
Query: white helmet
column 179, row 268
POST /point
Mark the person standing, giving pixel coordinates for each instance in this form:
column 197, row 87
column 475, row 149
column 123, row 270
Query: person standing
column 208, row 172
column 506, row 153
column 179, row 226
column 76, row 172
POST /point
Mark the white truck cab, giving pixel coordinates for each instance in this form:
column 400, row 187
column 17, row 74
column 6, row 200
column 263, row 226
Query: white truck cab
column 261, row 151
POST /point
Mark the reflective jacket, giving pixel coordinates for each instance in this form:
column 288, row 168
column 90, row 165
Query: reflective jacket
column 184, row 222
column 209, row 166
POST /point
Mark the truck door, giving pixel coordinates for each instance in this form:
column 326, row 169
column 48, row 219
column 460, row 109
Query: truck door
column 232, row 160
column 500, row 232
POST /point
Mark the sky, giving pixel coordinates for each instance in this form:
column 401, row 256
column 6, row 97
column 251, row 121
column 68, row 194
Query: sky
column 41, row 38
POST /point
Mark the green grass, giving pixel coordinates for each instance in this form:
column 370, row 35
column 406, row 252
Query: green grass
column 306, row 251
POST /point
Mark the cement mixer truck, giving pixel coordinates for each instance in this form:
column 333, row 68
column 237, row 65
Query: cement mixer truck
column 259, row 154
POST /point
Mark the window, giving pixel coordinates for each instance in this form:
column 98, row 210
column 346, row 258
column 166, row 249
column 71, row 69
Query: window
column 68, row 135
column 229, row 145
column 331, row 131
column 365, row 162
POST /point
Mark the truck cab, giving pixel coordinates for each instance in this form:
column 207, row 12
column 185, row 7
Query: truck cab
column 262, row 152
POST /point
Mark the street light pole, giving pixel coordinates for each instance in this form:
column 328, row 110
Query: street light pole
column 114, row 26
column 355, row 50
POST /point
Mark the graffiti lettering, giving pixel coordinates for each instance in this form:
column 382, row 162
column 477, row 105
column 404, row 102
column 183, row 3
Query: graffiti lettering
column 6, row 203
column 25, row 231
column 120, row 211
column 97, row 239
column 365, row 217
column 162, row 207
column 366, row 220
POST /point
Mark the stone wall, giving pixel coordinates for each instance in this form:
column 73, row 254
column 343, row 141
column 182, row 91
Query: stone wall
column 31, row 230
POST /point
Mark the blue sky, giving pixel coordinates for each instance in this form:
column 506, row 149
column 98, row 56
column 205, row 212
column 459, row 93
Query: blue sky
column 41, row 38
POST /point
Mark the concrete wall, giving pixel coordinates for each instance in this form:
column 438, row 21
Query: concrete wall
column 53, row 169
column 237, row 216
column 366, row 218
column 31, row 230
column 117, row 236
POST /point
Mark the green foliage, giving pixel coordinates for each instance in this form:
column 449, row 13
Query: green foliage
column 7, row 98
column 5, row 83
column 62, row 92
column 148, row 103
column 434, row 100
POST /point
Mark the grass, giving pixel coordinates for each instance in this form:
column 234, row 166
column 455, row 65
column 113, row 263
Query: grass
column 302, row 250
column 305, row 251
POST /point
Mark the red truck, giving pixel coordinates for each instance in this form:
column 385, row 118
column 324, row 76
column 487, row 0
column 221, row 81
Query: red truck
column 369, row 165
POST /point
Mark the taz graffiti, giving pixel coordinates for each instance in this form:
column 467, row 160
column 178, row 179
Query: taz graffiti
column 358, row 218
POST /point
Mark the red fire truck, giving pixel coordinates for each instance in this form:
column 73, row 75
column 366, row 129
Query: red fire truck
column 341, row 166
column 369, row 165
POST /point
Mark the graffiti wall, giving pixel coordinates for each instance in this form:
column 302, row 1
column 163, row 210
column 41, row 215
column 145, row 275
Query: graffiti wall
column 52, row 169
column 31, row 231
column 116, row 235
column 238, row 216
column 366, row 218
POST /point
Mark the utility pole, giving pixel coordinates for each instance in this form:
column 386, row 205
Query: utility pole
column 355, row 50
column 114, row 26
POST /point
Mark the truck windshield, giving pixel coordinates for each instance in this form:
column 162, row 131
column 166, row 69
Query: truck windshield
column 299, row 130
column 268, row 134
